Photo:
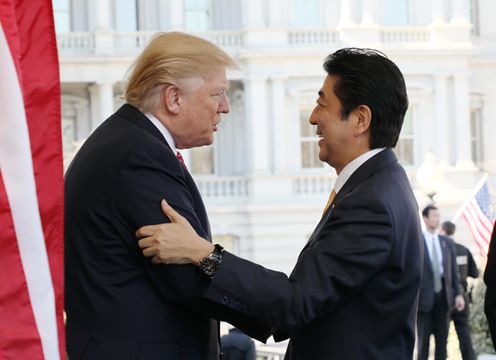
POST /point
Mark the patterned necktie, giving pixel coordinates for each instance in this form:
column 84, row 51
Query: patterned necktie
column 181, row 160
column 435, row 267
column 329, row 201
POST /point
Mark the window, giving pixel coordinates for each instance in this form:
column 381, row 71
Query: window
column 397, row 13
column 404, row 147
column 228, row 242
column 474, row 16
column 306, row 13
column 309, row 146
column 196, row 15
column 202, row 160
column 126, row 15
column 62, row 15
column 476, row 136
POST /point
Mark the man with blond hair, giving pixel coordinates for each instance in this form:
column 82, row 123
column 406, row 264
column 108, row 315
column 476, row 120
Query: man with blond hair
column 119, row 305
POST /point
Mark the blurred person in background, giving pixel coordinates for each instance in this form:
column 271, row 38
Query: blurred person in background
column 466, row 268
column 440, row 289
column 236, row 345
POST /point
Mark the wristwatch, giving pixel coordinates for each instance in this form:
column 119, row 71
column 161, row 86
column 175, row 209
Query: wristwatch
column 209, row 264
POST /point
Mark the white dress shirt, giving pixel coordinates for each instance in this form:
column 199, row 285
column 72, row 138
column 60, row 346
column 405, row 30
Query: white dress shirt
column 163, row 130
column 433, row 240
column 352, row 166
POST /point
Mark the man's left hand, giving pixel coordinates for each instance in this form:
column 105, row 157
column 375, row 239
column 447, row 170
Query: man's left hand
column 459, row 303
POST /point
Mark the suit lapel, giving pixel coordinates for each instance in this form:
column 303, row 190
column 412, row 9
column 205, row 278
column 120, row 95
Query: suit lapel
column 199, row 205
column 366, row 170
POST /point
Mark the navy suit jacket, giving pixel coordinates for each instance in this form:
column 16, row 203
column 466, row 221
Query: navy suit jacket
column 353, row 291
column 119, row 305
column 451, row 277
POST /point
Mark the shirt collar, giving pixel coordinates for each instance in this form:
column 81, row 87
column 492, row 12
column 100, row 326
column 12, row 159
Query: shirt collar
column 352, row 166
column 163, row 130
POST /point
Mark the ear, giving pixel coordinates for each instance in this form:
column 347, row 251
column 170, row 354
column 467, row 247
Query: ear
column 363, row 119
column 172, row 99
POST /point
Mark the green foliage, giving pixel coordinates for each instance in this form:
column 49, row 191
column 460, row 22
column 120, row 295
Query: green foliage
column 481, row 337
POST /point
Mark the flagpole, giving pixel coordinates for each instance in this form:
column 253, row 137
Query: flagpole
column 465, row 203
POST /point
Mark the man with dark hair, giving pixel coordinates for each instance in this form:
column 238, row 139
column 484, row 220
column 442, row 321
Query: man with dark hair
column 440, row 287
column 466, row 268
column 353, row 291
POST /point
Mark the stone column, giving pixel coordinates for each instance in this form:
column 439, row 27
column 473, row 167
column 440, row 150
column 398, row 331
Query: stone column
column 459, row 12
column 280, row 126
column 437, row 12
column 253, row 13
column 462, row 122
column 368, row 10
column 346, row 13
column 257, row 130
column 176, row 14
column 441, row 120
column 101, row 102
column 104, row 36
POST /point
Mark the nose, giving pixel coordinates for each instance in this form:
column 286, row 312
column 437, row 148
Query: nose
column 313, row 116
column 224, row 104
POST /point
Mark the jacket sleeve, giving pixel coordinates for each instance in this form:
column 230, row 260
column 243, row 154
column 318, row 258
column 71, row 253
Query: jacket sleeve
column 350, row 249
column 143, row 179
column 146, row 177
column 455, row 274
column 473, row 271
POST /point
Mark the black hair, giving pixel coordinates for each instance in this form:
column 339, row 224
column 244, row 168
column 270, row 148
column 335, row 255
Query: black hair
column 427, row 209
column 448, row 227
column 368, row 77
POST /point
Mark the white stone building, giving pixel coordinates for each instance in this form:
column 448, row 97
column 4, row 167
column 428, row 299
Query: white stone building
column 262, row 181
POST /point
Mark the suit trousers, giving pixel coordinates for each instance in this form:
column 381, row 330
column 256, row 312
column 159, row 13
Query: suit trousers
column 434, row 322
column 460, row 318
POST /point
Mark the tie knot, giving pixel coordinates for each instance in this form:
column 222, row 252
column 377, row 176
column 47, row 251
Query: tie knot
column 180, row 158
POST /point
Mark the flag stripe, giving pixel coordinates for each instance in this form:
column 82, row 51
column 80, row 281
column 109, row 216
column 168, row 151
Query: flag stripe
column 475, row 217
column 18, row 332
column 482, row 218
column 479, row 216
column 31, row 165
column 17, row 167
column 478, row 239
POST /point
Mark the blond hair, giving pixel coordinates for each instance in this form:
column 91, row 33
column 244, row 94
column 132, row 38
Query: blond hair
column 169, row 58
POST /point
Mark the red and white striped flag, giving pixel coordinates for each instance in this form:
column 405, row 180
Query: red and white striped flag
column 31, row 184
column 479, row 216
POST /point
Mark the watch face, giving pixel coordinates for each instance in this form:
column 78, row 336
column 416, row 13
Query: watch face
column 210, row 264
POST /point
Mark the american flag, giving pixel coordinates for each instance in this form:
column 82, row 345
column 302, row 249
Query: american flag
column 479, row 215
column 31, row 184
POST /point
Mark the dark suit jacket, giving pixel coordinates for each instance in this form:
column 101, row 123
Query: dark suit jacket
column 353, row 292
column 451, row 278
column 119, row 305
column 490, row 280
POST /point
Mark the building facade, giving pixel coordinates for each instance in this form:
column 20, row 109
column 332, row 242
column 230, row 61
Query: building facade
column 262, row 181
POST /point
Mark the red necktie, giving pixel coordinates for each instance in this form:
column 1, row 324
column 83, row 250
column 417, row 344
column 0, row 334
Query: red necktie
column 181, row 160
